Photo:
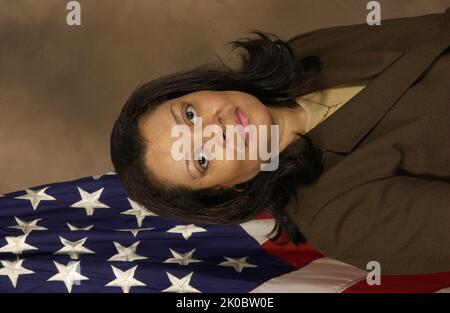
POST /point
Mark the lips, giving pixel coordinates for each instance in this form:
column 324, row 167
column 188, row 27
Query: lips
column 242, row 119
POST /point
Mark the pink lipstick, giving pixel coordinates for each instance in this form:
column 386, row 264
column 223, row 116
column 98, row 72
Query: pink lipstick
column 242, row 119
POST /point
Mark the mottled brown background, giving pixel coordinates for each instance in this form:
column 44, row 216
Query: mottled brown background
column 61, row 87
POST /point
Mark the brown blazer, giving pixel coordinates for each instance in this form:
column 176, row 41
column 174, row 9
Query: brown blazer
column 384, row 194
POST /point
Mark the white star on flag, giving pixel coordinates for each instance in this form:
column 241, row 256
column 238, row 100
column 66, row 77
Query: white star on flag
column 135, row 231
column 139, row 211
column 186, row 230
column 16, row 245
column 27, row 227
column 74, row 228
column 69, row 274
column 180, row 285
column 36, row 197
column 238, row 264
column 89, row 201
column 182, row 258
column 125, row 279
column 13, row 269
column 126, row 254
column 73, row 248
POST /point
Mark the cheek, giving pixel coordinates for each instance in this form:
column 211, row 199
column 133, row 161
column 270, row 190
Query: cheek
column 228, row 171
column 238, row 170
column 229, row 168
column 258, row 113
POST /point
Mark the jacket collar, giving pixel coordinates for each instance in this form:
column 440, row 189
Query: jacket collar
column 392, row 71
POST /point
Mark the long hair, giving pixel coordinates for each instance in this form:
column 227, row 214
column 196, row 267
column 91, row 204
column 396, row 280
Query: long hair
column 268, row 71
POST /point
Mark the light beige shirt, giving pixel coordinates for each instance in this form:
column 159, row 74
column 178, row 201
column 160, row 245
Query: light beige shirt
column 321, row 104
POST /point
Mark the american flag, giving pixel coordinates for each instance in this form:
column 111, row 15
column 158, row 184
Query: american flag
column 86, row 235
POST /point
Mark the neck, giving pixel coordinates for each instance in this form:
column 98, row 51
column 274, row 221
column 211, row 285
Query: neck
column 290, row 120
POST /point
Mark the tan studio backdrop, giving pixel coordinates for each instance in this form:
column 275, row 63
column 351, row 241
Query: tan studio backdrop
column 61, row 86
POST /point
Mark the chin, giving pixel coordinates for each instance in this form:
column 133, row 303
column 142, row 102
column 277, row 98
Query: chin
column 260, row 116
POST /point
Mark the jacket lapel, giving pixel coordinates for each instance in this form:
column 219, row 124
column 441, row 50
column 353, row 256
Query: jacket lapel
column 339, row 68
column 395, row 71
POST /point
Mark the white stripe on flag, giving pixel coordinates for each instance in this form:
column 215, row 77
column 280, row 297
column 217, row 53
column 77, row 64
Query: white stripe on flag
column 322, row 275
column 444, row 290
column 259, row 229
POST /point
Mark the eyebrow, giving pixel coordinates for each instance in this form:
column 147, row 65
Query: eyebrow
column 177, row 121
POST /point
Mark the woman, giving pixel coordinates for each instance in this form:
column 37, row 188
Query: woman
column 364, row 163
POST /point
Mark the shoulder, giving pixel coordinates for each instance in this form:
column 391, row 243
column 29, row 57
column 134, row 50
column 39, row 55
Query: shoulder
column 392, row 220
column 397, row 34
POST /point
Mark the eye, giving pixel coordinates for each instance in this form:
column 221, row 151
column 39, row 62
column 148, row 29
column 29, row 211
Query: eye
column 203, row 161
column 190, row 113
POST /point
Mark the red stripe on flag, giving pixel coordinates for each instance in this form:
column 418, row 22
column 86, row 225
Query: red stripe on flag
column 264, row 214
column 404, row 283
column 296, row 255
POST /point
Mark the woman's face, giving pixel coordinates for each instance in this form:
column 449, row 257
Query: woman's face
column 218, row 108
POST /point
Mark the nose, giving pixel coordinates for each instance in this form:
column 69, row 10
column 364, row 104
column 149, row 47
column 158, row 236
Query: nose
column 218, row 120
column 218, row 129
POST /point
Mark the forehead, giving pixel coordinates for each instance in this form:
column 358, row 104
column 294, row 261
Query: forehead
column 156, row 127
column 156, row 123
